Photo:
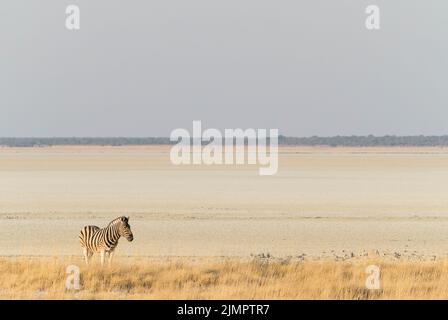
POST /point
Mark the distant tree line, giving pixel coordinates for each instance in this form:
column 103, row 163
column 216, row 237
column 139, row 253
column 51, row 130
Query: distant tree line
column 74, row 141
column 348, row 141
column 367, row 141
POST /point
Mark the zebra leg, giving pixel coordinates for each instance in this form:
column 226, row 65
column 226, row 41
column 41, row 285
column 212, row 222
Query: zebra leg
column 111, row 255
column 86, row 255
column 102, row 252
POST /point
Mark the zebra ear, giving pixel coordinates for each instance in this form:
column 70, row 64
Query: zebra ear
column 127, row 219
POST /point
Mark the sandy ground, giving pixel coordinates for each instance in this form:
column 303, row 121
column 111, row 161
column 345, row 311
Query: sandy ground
column 323, row 202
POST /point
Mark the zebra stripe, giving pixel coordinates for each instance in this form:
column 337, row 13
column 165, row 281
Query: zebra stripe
column 94, row 239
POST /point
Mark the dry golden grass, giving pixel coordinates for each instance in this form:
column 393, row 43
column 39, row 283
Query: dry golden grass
column 134, row 278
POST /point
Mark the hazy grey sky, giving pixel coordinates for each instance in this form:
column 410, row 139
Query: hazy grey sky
column 144, row 67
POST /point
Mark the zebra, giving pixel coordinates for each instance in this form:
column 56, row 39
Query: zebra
column 105, row 240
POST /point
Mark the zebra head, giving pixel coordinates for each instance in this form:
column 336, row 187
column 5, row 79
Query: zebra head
column 125, row 229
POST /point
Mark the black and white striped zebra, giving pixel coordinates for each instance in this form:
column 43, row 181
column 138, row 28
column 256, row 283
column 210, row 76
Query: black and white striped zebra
column 94, row 239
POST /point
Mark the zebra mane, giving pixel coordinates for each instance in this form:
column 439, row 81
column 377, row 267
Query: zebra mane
column 115, row 221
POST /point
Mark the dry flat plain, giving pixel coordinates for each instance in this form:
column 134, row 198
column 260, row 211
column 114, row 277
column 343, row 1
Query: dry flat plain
column 325, row 205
